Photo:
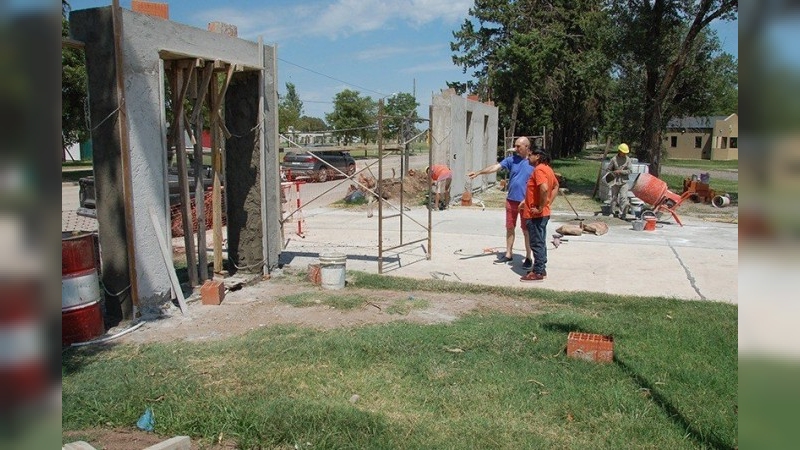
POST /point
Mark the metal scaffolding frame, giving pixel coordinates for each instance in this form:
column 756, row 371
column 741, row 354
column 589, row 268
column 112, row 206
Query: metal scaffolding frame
column 377, row 192
column 404, row 158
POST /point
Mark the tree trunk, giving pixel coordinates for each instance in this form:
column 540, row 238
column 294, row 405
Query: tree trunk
column 514, row 110
column 651, row 139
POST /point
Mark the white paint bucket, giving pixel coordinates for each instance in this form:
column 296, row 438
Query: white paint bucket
column 332, row 270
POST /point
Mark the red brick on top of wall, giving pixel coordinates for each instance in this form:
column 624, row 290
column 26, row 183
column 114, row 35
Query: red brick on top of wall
column 160, row 10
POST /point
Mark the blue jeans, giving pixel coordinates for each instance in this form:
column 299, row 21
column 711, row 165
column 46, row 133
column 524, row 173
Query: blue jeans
column 537, row 229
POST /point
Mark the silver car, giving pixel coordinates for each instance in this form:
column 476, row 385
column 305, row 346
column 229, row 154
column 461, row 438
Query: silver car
column 307, row 165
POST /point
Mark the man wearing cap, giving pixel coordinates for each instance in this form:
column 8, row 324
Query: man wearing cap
column 442, row 177
column 519, row 170
column 620, row 167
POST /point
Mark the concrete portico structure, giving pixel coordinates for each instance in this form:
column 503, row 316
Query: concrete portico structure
column 463, row 135
column 129, row 135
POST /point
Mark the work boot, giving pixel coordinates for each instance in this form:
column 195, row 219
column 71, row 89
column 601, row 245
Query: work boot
column 532, row 276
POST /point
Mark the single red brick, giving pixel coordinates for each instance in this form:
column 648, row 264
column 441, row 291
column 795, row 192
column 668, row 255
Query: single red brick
column 212, row 292
column 591, row 347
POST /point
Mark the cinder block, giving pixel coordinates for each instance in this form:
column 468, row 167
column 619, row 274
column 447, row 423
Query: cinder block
column 77, row 445
column 176, row 443
column 591, row 347
column 212, row 292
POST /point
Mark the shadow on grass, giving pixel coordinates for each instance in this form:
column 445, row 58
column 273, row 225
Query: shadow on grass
column 702, row 439
column 674, row 414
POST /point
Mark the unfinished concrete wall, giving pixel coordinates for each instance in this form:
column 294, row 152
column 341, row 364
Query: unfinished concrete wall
column 464, row 136
column 145, row 42
column 248, row 191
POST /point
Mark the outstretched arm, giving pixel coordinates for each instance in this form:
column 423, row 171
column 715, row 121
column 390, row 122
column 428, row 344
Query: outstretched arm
column 486, row 170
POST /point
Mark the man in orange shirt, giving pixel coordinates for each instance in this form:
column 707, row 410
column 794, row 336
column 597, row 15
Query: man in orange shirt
column 541, row 191
column 442, row 178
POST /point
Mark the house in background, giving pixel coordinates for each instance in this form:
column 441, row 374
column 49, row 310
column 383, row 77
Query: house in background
column 715, row 138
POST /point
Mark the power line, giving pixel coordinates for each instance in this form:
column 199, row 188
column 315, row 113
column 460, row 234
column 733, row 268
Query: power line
column 333, row 78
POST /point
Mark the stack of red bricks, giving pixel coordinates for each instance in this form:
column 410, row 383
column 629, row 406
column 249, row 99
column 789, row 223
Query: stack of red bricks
column 177, row 223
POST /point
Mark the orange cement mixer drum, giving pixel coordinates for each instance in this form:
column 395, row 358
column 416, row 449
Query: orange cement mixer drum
column 649, row 188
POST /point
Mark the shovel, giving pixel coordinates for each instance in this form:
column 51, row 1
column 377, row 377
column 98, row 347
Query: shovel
column 563, row 192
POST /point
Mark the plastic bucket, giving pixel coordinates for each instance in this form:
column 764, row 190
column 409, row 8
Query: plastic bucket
column 638, row 225
column 332, row 270
column 650, row 223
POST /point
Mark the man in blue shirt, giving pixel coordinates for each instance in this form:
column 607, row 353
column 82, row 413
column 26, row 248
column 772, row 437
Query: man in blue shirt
column 519, row 171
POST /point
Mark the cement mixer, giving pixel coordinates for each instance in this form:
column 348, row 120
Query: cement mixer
column 654, row 191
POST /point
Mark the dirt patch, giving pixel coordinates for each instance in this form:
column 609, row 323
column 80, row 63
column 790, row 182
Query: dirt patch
column 259, row 306
column 122, row 439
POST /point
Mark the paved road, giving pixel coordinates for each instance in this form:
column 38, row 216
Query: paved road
column 731, row 175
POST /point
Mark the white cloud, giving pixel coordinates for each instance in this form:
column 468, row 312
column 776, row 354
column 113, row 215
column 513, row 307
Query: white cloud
column 342, row 18
column 391, row 51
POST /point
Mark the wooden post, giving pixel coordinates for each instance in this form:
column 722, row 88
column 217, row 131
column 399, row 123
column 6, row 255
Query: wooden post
column 183, row 73
column 125, row 150
column 218, row 130
column 199, row 186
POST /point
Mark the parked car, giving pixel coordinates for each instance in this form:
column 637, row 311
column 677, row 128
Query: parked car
column 304, row 165
column 86, row 193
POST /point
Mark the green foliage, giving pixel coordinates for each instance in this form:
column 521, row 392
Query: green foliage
column 400, row 117
column 623, row 67
column 542, row 63
column 307, row 123
column 353, row 116
column 661, row 51
column 486, row 380
column 74, row 97
column 290, row 108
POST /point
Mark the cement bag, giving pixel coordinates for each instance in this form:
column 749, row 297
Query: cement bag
column 598, row 228
column 570, row 230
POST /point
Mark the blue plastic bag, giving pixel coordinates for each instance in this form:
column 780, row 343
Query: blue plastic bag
column 147, row 422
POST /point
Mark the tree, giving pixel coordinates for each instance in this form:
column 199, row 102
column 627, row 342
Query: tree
column 309, row 124
column 352, row 116
column 541, row 62
column 290, row 108
column 401, row 116
column 73, row 90
column 483, row 49
column 659, row 38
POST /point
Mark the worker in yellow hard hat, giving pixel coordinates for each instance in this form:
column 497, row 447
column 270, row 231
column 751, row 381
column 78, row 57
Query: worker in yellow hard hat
column 620, row 168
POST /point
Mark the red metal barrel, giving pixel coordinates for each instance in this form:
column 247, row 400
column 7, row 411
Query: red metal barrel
column 24, row 376
column 649, row 188
column 81, row 323
column 81, row 315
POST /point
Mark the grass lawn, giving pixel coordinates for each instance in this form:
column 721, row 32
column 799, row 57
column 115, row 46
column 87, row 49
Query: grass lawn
column 486, row 380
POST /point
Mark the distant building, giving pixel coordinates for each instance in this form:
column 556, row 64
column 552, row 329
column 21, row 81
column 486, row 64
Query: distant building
column 714, row 138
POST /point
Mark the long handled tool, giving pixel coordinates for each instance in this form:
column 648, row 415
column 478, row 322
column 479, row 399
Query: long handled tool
column 563, row 193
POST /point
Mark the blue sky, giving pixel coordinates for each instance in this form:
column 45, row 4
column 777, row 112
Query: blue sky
column 376, row 47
